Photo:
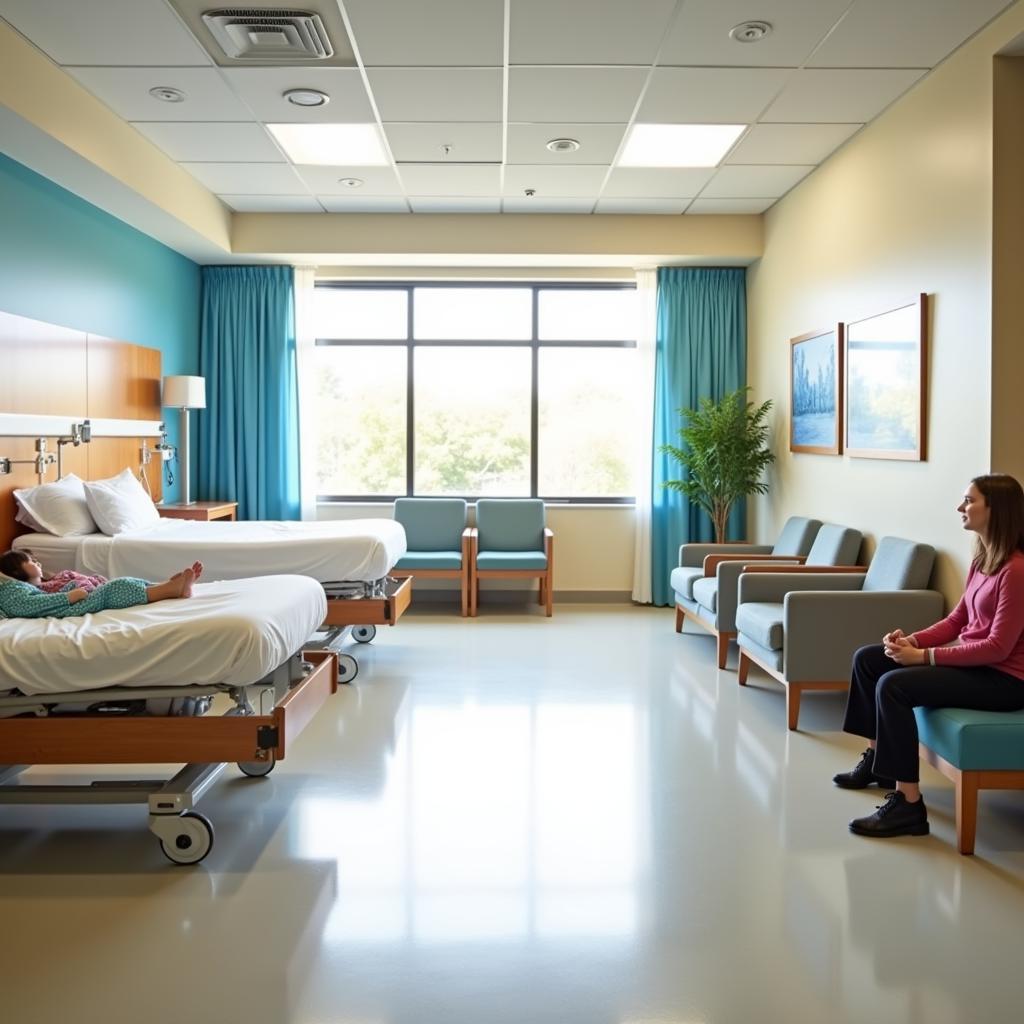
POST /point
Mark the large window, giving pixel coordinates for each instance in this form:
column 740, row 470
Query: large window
column 475, row 391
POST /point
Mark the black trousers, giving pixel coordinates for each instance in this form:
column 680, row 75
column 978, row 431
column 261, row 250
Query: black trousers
column 883, row 695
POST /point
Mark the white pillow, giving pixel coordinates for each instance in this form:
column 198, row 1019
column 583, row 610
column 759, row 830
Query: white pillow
column 59, row 508
column 120, row 503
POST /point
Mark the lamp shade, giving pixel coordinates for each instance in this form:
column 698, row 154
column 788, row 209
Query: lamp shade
column 184, row 393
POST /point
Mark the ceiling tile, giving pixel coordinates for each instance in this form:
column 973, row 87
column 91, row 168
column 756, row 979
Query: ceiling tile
column 455, row 204
column 572, row 32
column 701, row 33
column 212, row 141
column 546, row 204
column 729, row 205
column 126, row 92
column 790, row 143
column 437, row 94
column 423, row 142
column 908, row 34
column 594, row 95
column 263, row 90
column 657, row 182
column 427, row 37
column 247, row 179
column 753, row 182
column 451, row 179
column 272, row 204
column 364, row 204
column 710, row 95
column 834, row 96
column 113, row 33
column 325, row 181
column 527, row 143
column 564, row 182
column 640, row 206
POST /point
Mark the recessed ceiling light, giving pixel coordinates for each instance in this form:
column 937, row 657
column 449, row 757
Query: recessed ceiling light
column 307, row 97
column 356, row 145
column 351, row 182
column 563, row 145
column 750, row 31
column 678, row 145
column 167, row 93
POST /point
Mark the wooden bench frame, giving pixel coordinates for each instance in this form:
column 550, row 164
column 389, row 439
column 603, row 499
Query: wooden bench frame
column 545, row 576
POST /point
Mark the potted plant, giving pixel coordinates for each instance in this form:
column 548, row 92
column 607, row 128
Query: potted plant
column 724, row 454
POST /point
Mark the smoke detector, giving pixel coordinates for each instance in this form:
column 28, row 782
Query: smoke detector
column 563, row 145
column 269, row 34
column 750, row 31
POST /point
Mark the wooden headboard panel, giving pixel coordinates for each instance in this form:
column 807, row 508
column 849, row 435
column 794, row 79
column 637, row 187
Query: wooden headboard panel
column 56, row 371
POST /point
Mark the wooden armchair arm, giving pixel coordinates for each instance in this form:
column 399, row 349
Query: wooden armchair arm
column 549, row 541
column 711, row 561
column 833, row 569
column 468, row 541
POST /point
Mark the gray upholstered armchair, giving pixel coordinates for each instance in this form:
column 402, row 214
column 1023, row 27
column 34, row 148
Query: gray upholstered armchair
column 802, row 628
column 700, row 595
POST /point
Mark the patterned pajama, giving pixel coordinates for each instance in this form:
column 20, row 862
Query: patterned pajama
column 20, row 600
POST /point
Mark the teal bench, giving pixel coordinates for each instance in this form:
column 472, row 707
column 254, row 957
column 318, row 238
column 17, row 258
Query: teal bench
column 975, row 750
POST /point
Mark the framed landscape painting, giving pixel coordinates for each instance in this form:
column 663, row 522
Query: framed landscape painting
column 886, row 375
column 815, row 408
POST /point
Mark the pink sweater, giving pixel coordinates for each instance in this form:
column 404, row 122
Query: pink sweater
column 55, row 584
column 987, row 624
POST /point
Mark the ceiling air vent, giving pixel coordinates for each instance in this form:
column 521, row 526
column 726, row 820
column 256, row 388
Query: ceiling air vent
column 269, row 34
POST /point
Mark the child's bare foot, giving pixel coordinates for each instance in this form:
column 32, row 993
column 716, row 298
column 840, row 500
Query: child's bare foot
column 188, row 577
column 197, row 570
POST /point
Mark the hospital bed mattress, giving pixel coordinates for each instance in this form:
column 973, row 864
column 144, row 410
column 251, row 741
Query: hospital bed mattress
column 228, row 633
column 357, row 549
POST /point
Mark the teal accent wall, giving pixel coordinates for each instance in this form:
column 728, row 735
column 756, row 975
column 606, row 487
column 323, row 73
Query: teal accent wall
column 67, row 262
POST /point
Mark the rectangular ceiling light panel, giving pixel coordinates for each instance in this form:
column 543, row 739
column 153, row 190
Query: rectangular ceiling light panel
column 678, row 145
column 340, row 145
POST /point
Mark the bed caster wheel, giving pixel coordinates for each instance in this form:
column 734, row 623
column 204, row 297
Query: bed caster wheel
column 257, row 769
column 186, row 838
column 363, row 634
column 348, row 668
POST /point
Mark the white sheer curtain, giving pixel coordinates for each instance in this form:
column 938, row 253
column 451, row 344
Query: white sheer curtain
column 647, row 324
column 305, row 342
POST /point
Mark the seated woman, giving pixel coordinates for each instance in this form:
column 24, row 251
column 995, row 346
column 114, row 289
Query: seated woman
column 20, row 598
column 983, row 669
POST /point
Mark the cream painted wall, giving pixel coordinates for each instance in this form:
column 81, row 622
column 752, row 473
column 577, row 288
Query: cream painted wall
column 905, row 207
column 593, row 546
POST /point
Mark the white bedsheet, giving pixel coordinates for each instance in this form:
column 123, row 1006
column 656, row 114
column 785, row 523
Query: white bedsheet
column 355, row 549
column 230, row 633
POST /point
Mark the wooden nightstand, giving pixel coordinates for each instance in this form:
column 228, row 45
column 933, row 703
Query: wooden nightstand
column 202, row 510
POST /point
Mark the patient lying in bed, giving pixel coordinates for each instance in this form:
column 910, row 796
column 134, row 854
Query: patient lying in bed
column 22, row 599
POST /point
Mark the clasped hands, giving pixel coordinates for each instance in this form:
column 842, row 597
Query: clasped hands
column 902, row 649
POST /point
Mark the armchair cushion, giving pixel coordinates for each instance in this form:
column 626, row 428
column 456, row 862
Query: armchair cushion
column 430, row 560
column 705, row 592
column 432, row 524
column 683, row 579
column 797, row 536
column 900, row 564
column 835, row 545
column 510, row 524
column 762, row 623
column 974, row 740
column 511, row 560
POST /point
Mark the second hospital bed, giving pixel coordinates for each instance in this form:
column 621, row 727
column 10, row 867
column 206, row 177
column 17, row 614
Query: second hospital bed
column 133, row 686
column 351, row 559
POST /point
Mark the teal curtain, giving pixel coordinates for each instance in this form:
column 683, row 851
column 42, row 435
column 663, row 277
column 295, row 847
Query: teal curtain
column 700, row 351
column 248, row 448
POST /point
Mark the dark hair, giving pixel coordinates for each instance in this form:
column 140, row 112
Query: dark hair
column 12, row 563
column 1005, row 534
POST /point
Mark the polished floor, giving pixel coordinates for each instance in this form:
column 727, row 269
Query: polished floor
column 575, row 820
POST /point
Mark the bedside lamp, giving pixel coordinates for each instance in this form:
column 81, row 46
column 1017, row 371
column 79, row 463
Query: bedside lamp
column 184, row 393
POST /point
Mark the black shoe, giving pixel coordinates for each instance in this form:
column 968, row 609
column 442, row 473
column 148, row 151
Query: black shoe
column 896, row 817
column 862, row 776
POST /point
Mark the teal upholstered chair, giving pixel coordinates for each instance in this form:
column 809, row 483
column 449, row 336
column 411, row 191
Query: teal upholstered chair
column 704, row 582
column 976, row 750
column 511, row 541
column 438, row 541
column 803, row 628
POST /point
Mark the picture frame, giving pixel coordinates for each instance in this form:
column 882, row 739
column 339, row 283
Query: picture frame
column 816, row 391
column 886, row 375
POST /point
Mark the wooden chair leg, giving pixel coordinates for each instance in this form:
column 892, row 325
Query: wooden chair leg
column 792, row 704
column 464, row 586
column 548, row 596
column 723, row 649
column 474, row 595
column 742, row 669
column 966, row 810
column 679, row 619
column 540, row 590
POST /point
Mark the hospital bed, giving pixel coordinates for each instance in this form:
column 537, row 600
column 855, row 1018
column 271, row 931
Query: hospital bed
column 134, row 686
column 351, row 559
